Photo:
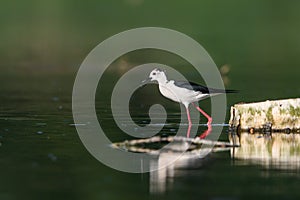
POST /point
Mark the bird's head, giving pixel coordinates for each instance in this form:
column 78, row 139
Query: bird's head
column 158, row 75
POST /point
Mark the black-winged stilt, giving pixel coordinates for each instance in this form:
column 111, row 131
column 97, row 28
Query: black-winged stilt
column 184, row 92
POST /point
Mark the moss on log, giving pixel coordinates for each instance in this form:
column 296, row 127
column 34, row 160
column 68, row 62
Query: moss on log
column 276, row 114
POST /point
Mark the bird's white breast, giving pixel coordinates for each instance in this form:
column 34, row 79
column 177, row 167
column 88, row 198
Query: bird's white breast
column 179, row 94
column 168, row 92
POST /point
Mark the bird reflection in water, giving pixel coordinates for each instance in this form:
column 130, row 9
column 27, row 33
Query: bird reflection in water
column 162, row 179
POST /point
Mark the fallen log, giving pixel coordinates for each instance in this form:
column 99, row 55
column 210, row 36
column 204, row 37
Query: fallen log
column 276, row 115
column 154, row 144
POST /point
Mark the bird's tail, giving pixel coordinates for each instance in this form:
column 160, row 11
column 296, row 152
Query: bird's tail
column 231, row 91
column 219, row 91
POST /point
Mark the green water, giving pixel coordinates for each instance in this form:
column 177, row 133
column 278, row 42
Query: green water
column 42, row 45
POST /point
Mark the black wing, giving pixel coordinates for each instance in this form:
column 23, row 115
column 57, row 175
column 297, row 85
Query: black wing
column 200, row 88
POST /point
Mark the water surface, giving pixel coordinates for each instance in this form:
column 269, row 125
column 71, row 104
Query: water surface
column 42, row 46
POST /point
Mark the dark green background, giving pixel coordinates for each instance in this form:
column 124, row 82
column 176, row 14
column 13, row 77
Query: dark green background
column 42, row 44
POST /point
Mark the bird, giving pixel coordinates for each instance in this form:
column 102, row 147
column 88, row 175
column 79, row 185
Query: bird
column 184, row 92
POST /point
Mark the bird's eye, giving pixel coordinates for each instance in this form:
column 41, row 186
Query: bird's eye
column 154, row 73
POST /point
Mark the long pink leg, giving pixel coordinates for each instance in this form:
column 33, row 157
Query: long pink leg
column 205, row 114
column 206, row 132
column 190, row 122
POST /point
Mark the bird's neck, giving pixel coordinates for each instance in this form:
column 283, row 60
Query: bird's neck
column 162, row 81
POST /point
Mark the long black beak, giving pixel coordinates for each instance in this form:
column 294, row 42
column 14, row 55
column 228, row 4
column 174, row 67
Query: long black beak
column 144, row 82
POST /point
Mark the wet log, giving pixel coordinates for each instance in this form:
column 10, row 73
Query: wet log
column 280, row 115
column 154, row 144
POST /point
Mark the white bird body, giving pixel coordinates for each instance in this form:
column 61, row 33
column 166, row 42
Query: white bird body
column 186, row 93
column 179, row 94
